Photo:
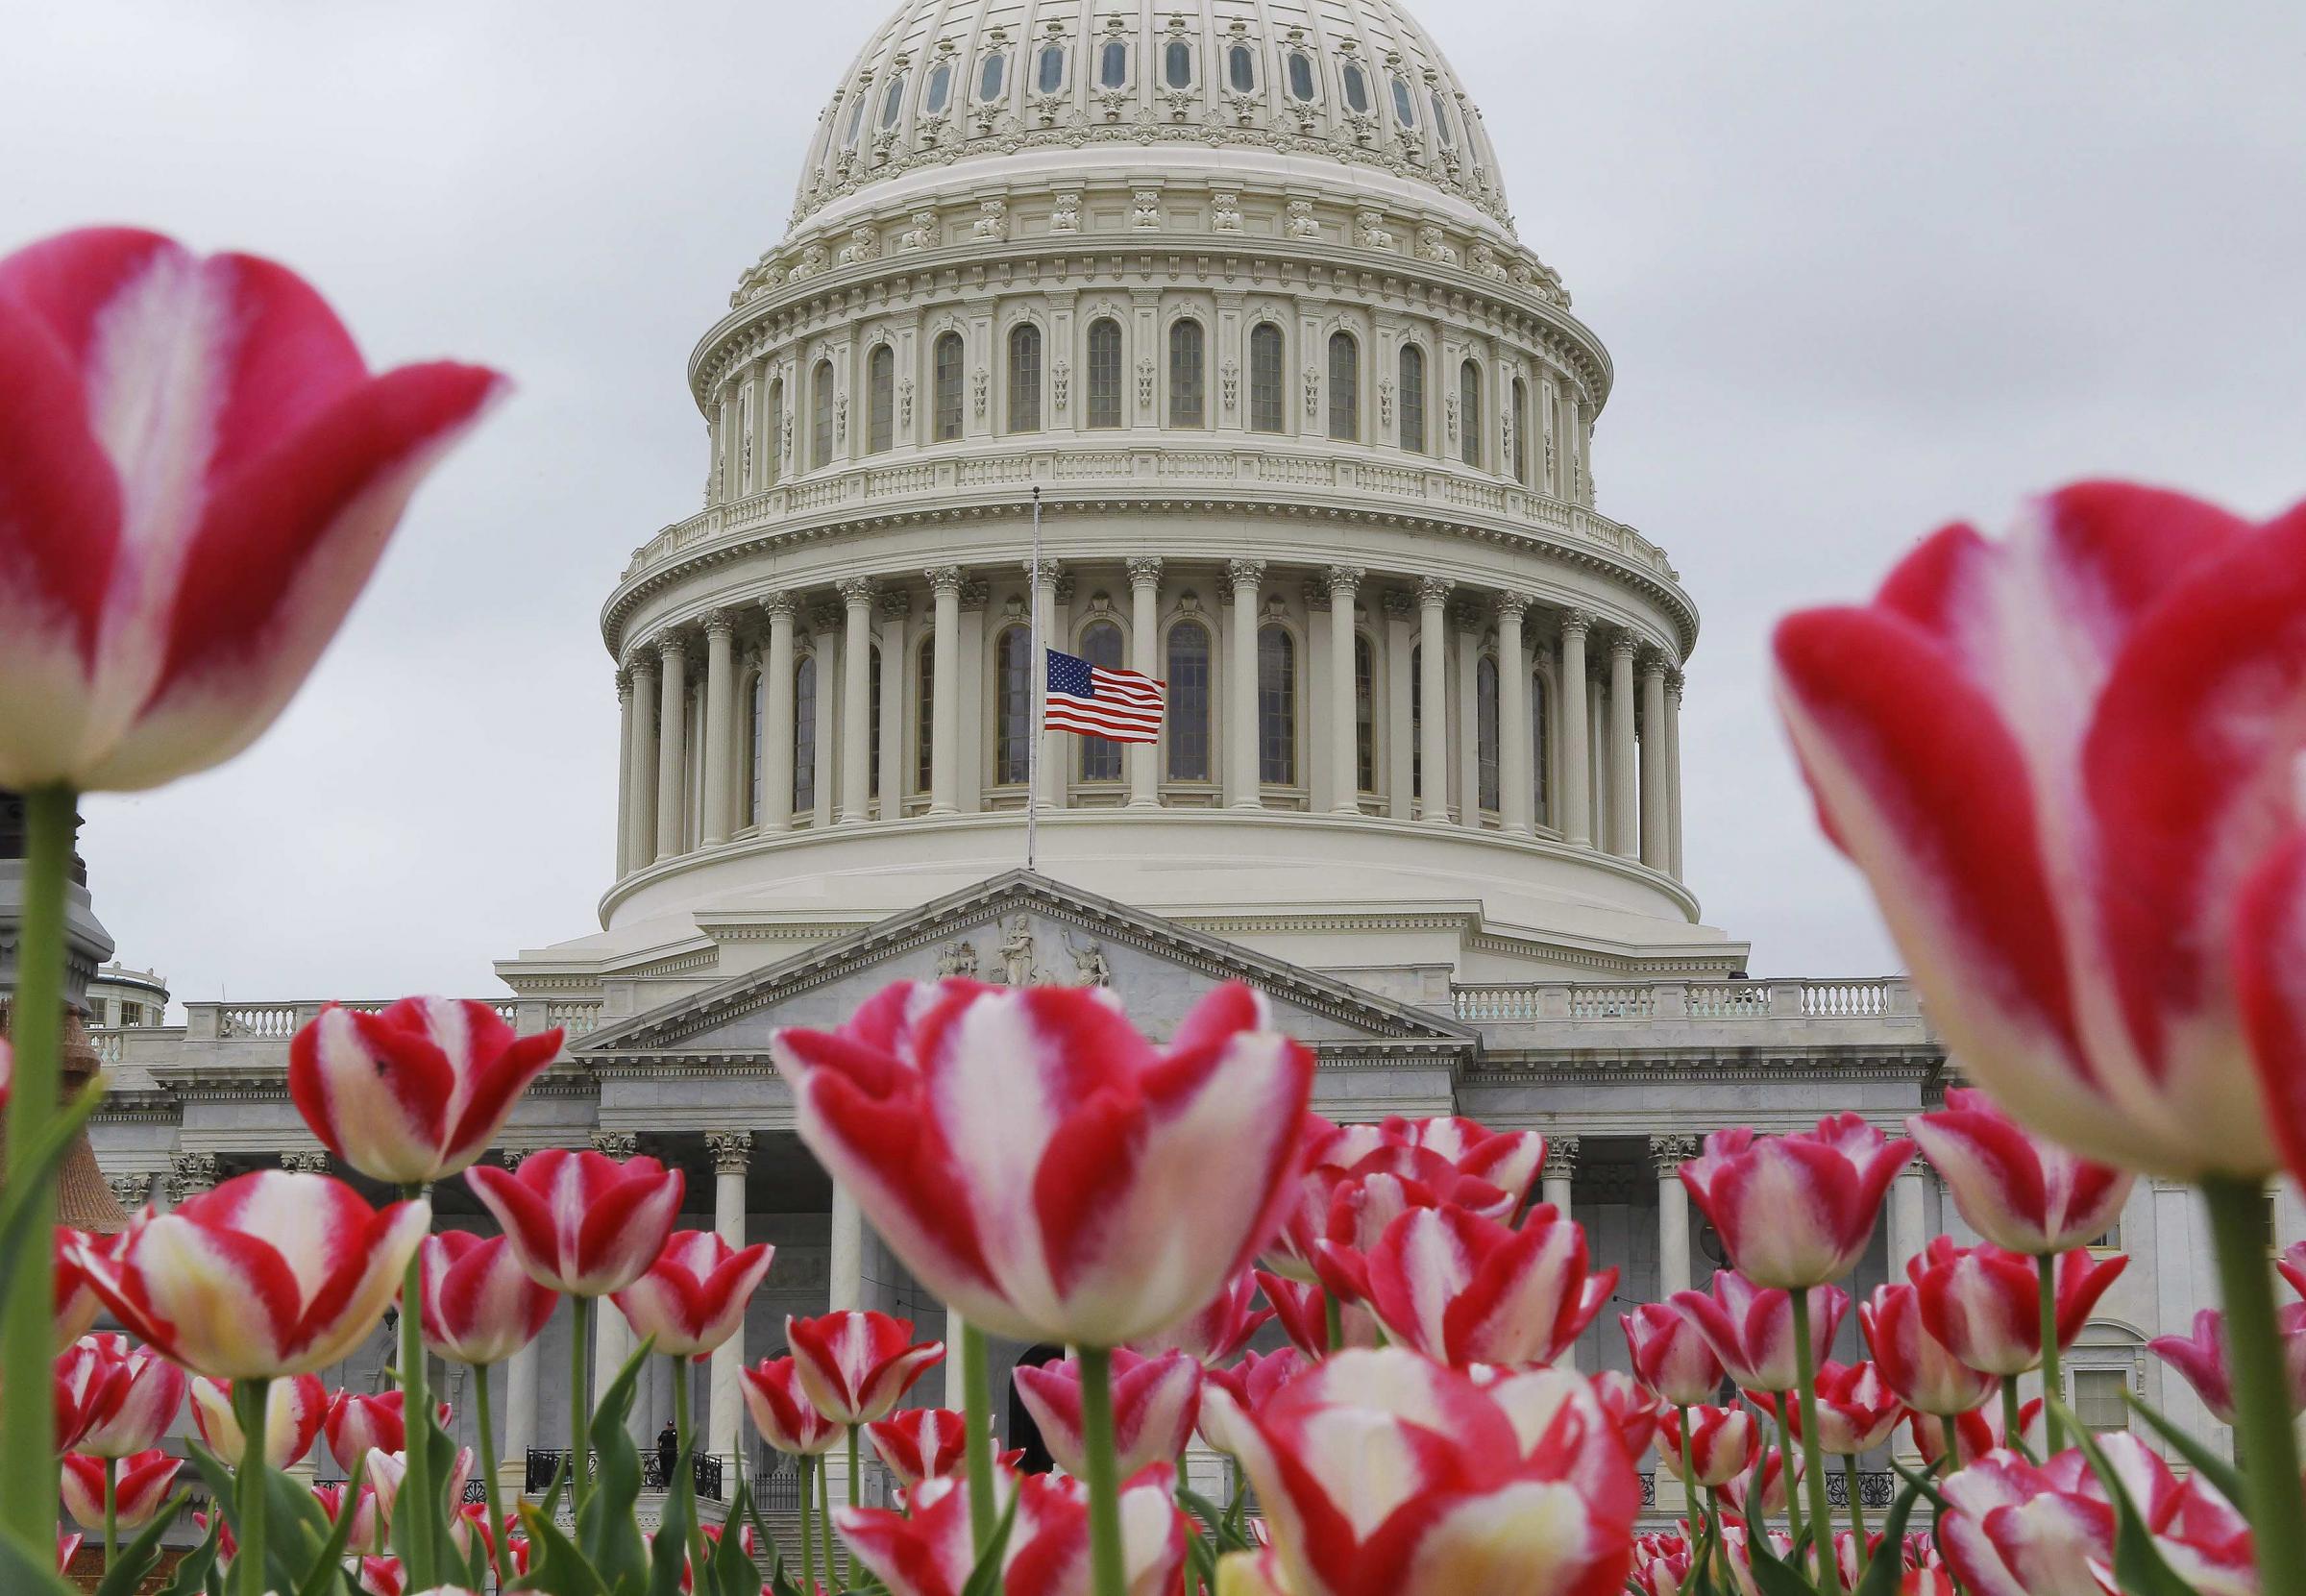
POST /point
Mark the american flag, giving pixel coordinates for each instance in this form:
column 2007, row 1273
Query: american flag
column 1123, row 705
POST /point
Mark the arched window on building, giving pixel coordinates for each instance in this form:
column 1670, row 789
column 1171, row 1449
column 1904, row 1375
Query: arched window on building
column 993, row 77
column 1344, row 386
column 1112, row 63
column 1267, row 408
column 1365, row 714
column 949, row 378
column 805, row 734
column 1048, row 76
column 937, row 92
column 1105, row 379
column 1356, row 88
column 1521, row 431
column 820, row 415
column 880, row 385
column 1188, row 406
column 1469, row 413
column 1012, row 707
column 1417, row 720
column 1413, row 399
column 1024, row 377
column 1240, row 68
column 893, row 100
column 776, row 430
column 1101, row 646
column 1541, row 750
column 1177, row 63
column 1276, row 705
column 753, row 697
column 1187, row 668
column 873, row 723
column 1484, row 732
column 924, row 714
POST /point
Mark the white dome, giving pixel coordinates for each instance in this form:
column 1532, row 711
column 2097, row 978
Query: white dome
column 1356, row 83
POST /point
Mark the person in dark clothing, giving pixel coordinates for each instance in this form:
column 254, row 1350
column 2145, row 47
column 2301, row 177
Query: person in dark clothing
column 668, row 1452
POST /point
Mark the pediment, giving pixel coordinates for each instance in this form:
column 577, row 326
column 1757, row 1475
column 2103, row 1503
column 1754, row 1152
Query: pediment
column 1023, row 926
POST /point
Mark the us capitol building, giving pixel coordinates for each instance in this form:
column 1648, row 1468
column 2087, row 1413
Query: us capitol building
column 1233, row 288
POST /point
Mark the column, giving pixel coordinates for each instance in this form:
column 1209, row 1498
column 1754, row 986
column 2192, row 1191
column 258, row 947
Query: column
column 856, row 701
column 623, row 771
column 1400, row 730
column 776, row 715
column 612, row 1337
column 1654, row 784
column 725, row 444
column 945, row 729
column 1625, row 818
column 1055, row 746
column 844, row 1265
column 189, row 1174
column 763, row 429
column 1432, row 703
column 732, row 1154
column 825, row 624
column 1577, row 782
column 896, row 607
column 1673, row 773
column 640, row 831
column 1243, row 787
column 1516, row 780
column 1344, row 701
column 672, row 715
column 1668, row 1152
column 1909, row 1231
column 720, row 724
column 1465, row 631
column 1554, row 1186
column 1145, row 650
column 519, row 1396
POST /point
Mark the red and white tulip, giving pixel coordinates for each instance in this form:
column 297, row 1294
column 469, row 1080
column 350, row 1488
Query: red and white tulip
column 2060, row 760
column 357, row 1423
column 1921, row 1369
column 1218, row 1332
column 131, row 1394
column 2017, row 1189
column 1671, row 1355
column 294, row 1411
column 1722, row 1443
column 1251, row 1384
column 1751, row 1328
column 140, row 1490
column 1632, row 1407
column 1985, row 1304
column 1510, row 1160
column 201, row 474
column 413, row 1093
column 480, row 1305
column 1040, row 1166
column 782, row 1412
column 926, row 1551
column 2202, row 1357
column 1465, row 1289
column 581, row 1222
column 1303, row 1314
column 920, row 1443
column 692, row 1297
column 1857, row 1412
column 1977, row 1432
column 857, row 1365
column 1796, row 1211
column 1156, row 1403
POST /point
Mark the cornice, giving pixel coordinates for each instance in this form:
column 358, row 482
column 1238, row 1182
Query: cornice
column 1917, row 1064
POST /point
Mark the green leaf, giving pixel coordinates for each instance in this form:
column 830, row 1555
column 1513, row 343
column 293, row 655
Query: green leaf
column 1885, row 1571
column 2139, row 1566
column 2207, row 1463
column 1773, row 1576
column 1920, row 1482
column 30, row 1573
column 607, row 1530
column 133, row 1566
column 324, row 1576
column 191, row 1576
column 985, row 1580
column 555, row 1567
column 729, row 1571
column 670, row 1552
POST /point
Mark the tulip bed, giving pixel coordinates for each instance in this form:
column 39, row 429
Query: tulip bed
column 2065, row 761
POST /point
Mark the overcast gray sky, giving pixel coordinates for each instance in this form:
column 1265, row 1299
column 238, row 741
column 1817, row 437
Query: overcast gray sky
column 1864, row 267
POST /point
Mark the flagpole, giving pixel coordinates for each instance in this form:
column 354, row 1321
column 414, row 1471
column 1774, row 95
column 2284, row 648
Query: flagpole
column 1038, row 703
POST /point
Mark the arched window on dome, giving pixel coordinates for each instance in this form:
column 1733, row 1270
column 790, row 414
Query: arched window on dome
column 880, row 385
column 754, row 704
column 1365, row 714
column 1541, row 749
column 1100, row 646
column 1405, row 104
column 1344, row 386
column 857, row 116
column 1356, row 88
column 1521, row 432
column 1188, row 666
column 1177, row 63
column 776, row 430
column 1105, row 379
column 1240, row 68
column 1413, row 399
column 1048, row 76
column 1469, row 413
column 993, row 77
column 1442, row 126
column 1112, row 63
column 893, row 100
column 1024, row 377
column 1267, row 410
column 938, row 93
column 805, row 734
column 947, row 357
column 1484, row 732
column 1276, row 705
column 1188, row 406
column 873, row 725
column 924, row 713
column 1304, row 86
column 1012, row 707
column 820, row 415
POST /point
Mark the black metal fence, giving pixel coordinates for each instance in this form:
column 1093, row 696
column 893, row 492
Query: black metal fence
column 1875, row 1488
column 545, row 1465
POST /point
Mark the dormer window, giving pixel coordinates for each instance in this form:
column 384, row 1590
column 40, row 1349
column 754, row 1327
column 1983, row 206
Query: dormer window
column 1112, row 64
column 1049, row 76
column 1405, row 104
column 1356, row 88
column 856, row 119
column 1301, row 76
column 992, row 76
column 893, row 100
column 1177, row 63
column 1240, row 68
column 939, row 94
column 1441, row 126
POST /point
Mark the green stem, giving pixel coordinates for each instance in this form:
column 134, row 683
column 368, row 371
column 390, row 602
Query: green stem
column 808, row 1546
column 2261, row 1409
column 28, row 1464
column 112, row 1511
column 251, row 1398
column 488, row 1457
column 1951, row 1439
column 418, row 1489
column 684, row 1469
column 824, row 1524
column 1689, row 1469
column 580, row 1411
column 1109, row 1572
column 1857, row 1509
column 856, row 1499
column 1333, row 1317
column 2053, row 1389
column 976, row 1408
column 1786, row 1462
column 1813, row 1470
column 2011, row 1423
